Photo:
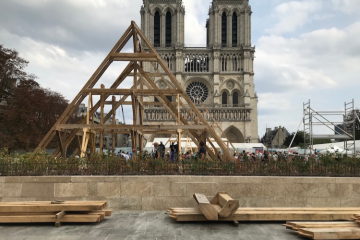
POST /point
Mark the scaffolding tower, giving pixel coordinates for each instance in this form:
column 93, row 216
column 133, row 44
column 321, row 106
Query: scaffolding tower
column 344, row 130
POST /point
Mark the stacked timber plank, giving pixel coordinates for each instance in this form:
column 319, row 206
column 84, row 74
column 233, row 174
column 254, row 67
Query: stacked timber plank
column 211, row 211
column 326, row 230
column 268, row 214
column 55, row 211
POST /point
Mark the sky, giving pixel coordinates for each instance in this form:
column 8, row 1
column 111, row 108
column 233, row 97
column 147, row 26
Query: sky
column 305, row 49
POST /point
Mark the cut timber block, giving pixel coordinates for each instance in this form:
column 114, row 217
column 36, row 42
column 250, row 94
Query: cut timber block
column 206, row 207
column 60, row 215
column 228, row 206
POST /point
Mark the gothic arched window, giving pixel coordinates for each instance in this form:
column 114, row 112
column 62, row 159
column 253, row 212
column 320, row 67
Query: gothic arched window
column 157, row 29
column 234, row 30
column 224, row 98
column 235, row 98
column 223, row 30
column 168, row 29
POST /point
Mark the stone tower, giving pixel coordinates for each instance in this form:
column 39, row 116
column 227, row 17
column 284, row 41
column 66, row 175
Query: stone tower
column 220, row 75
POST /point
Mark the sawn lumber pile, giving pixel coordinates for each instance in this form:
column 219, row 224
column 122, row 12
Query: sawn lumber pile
column 212, row 211
column 326, row 230
column 55, row 211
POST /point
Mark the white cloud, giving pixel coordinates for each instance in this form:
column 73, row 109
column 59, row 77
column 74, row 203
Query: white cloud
column 321, row 65
column 195, row 31
column 55, row 67
column 347, row 6
column 293, row 15
column 317, row 59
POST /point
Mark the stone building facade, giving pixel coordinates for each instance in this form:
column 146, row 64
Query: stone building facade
column 275, row 138
column 219, row 75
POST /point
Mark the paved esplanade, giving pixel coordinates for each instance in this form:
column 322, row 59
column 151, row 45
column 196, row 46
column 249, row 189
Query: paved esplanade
column 146, row 225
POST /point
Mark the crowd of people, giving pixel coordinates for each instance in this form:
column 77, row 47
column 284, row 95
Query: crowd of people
column 266, row 156
column 126, row 155
column 159, row 152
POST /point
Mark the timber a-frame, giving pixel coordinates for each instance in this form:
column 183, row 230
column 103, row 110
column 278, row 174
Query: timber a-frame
column 84, row 132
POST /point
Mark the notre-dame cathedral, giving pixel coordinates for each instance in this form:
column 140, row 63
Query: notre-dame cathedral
column 219, row 75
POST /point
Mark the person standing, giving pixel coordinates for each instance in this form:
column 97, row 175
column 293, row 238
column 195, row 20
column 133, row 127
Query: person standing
column 172, row 149
column 176, row 153
column 155, row 150
column 202, row 150
column 161, row 150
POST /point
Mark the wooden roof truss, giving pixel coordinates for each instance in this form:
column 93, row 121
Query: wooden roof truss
column 84, row 132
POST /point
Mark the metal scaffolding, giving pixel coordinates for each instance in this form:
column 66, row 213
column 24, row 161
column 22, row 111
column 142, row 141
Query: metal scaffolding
column 344, row 130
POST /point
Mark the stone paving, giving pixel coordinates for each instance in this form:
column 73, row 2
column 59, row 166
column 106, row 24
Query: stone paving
column 133, row 225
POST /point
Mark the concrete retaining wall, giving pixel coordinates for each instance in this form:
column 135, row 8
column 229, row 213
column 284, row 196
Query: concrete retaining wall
column 163, row 192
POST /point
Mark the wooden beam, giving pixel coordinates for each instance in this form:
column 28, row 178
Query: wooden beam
column 332, row 224
column 124, row 103
column 149, row 92
column 206, row 207
column 50, row 218
column 228, row 205
column 270, row 214
column 155, row 103
column 76, row 102
column 137, row 127
column 80, row 96
column 148, row 74
column 148, row 57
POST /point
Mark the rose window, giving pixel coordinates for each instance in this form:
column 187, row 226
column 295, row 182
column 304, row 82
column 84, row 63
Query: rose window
column 197, row 91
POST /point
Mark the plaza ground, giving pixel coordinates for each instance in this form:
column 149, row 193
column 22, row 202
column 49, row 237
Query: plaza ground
column 147, row 225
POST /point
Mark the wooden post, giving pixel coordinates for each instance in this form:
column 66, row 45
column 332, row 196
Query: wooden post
column 102, row 100
column 85, row 141
column 93, row 142
column 88, row 109
column 178, row 122
column 203, row 136
column 113, row 122
column 134, row 133
column 62, row 145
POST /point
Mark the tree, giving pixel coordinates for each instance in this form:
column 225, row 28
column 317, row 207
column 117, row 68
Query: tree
column 11, row 72
column 298, row 141
column 30, row 115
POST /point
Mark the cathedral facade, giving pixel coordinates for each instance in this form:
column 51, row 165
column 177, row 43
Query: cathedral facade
column 220, row 75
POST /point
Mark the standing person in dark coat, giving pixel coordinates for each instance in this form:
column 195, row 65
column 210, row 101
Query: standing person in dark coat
column 202, row 150
column 173, row 150
column 176, row 153
column 161, row 150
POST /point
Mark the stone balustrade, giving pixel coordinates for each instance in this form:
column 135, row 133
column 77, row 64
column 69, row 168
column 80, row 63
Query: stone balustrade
column 157, row 115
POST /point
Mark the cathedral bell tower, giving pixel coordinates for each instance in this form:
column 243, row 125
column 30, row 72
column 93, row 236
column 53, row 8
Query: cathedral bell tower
column 162, row 21
column 219, row 76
